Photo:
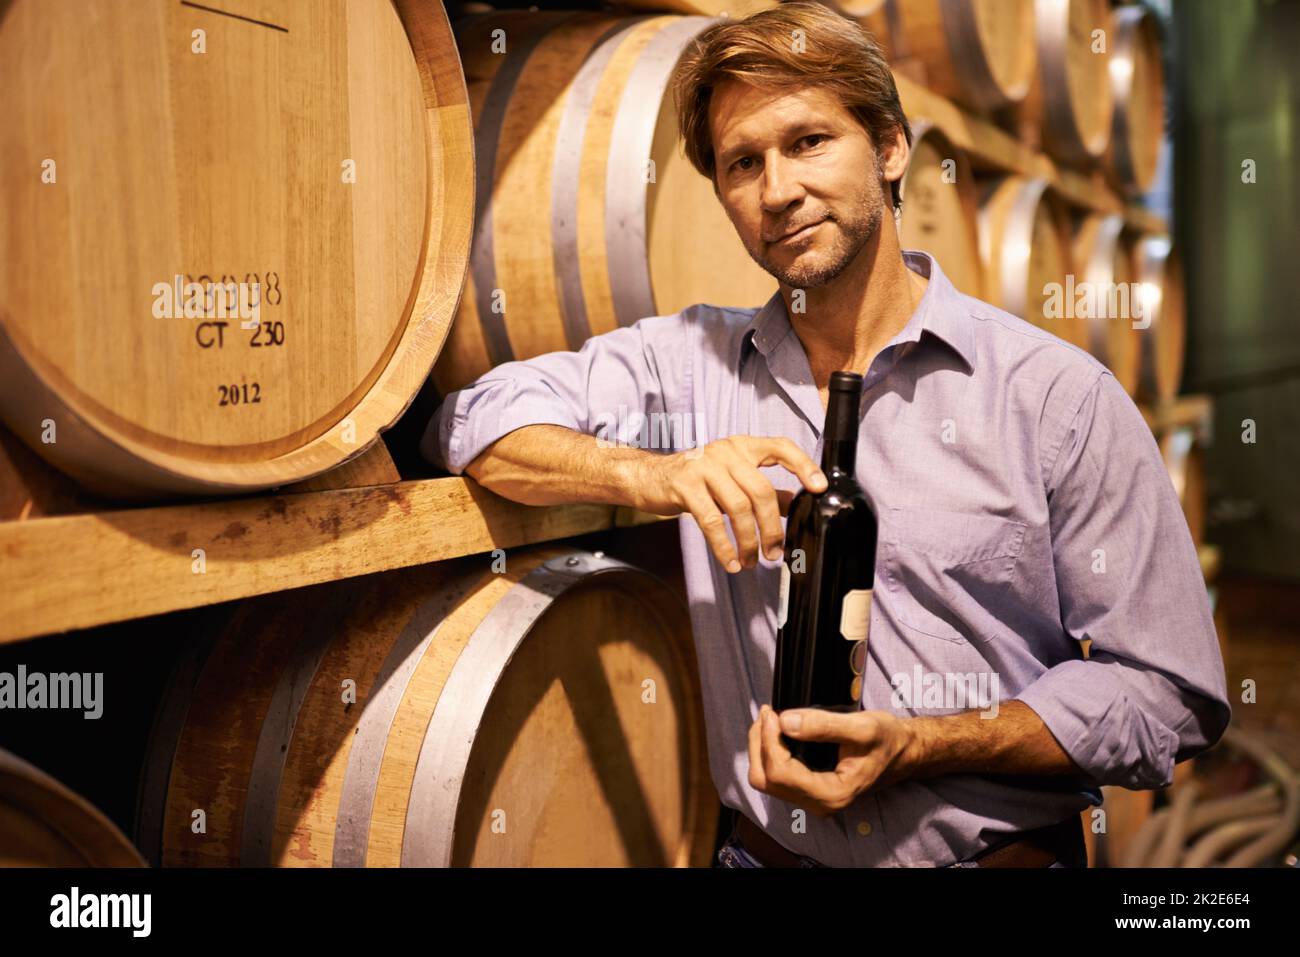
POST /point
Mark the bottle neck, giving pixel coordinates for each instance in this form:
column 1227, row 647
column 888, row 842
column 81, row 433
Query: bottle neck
column 840, row 448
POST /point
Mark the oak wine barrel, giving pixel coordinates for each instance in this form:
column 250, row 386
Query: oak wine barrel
column 544, row 714
column 1024, row 234
column 44, row 824
column 1159, row 271
column 940, row 204
column 242, row 240
column 1103, row 260
column 1137, row 80
column 979, row 53
column 1070, row 106
column 589, row 217
column 1186, row 464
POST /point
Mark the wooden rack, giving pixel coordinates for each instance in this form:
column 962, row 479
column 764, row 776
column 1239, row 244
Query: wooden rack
column 76, row 571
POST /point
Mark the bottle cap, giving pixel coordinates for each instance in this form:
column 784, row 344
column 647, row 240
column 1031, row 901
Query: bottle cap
column 846, row 382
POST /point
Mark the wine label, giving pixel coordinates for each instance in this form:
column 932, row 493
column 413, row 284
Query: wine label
column 855, row 614
column 783, row 600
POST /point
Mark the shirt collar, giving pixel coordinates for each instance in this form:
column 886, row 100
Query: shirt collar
column 940, row 313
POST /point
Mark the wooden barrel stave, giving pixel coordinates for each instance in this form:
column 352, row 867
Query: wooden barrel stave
column 979, row 53
column 1185, row 461
column 939, row 209
column 1069, row 107
column 1158, row 268
column 1024, row 234
column 1103, row 260
column 1138, row 86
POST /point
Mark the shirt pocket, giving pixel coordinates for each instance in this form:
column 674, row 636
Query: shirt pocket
column 944, row 568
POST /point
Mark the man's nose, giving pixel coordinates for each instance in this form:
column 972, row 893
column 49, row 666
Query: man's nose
column 781, row 186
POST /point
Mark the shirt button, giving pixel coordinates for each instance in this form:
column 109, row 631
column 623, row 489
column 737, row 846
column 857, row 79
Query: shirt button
column 864, row 828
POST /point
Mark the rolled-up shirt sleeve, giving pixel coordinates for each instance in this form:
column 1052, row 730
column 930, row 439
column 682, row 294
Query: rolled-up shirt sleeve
column 601, row 389
column 1152, row 691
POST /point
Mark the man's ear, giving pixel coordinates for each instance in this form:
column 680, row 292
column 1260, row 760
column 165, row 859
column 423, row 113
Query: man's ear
column 897, row 154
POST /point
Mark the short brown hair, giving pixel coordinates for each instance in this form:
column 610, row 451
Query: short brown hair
column 760, row 49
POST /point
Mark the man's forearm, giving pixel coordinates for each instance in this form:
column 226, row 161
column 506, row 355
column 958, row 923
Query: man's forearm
column 552, row 465
column 1016, row 741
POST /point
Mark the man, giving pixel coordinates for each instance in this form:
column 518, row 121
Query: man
column 1022, row 502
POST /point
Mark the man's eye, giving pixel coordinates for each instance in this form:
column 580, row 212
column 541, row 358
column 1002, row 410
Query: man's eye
column 744, row 159
column 814, row 136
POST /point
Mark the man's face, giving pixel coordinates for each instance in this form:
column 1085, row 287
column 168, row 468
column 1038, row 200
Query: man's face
column 799, row 178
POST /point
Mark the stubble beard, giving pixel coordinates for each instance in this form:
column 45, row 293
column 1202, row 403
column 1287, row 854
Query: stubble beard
column 853, row 234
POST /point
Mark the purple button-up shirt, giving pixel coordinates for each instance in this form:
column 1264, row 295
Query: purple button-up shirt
column 1023, row 507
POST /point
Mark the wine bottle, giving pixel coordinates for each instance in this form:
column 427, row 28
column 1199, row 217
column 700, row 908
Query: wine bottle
column 827, row 576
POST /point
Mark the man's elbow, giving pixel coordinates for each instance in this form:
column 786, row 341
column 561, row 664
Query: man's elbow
column 1208, row 719
column 479, row 467
column 1143, row 755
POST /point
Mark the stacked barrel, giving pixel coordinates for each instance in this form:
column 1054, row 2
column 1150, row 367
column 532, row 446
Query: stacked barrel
column 1083, row 84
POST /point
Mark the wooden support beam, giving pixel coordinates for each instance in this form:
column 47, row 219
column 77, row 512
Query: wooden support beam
column 77, row 571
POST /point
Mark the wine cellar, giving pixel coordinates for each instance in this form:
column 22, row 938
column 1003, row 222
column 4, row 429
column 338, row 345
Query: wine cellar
column 267, row 632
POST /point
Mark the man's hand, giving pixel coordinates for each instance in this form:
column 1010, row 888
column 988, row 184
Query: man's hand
column 724, row 476
column 876, row 749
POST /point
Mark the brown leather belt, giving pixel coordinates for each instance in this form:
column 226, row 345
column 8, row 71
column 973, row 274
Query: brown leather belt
column 1038, row 848
column 766, row 849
